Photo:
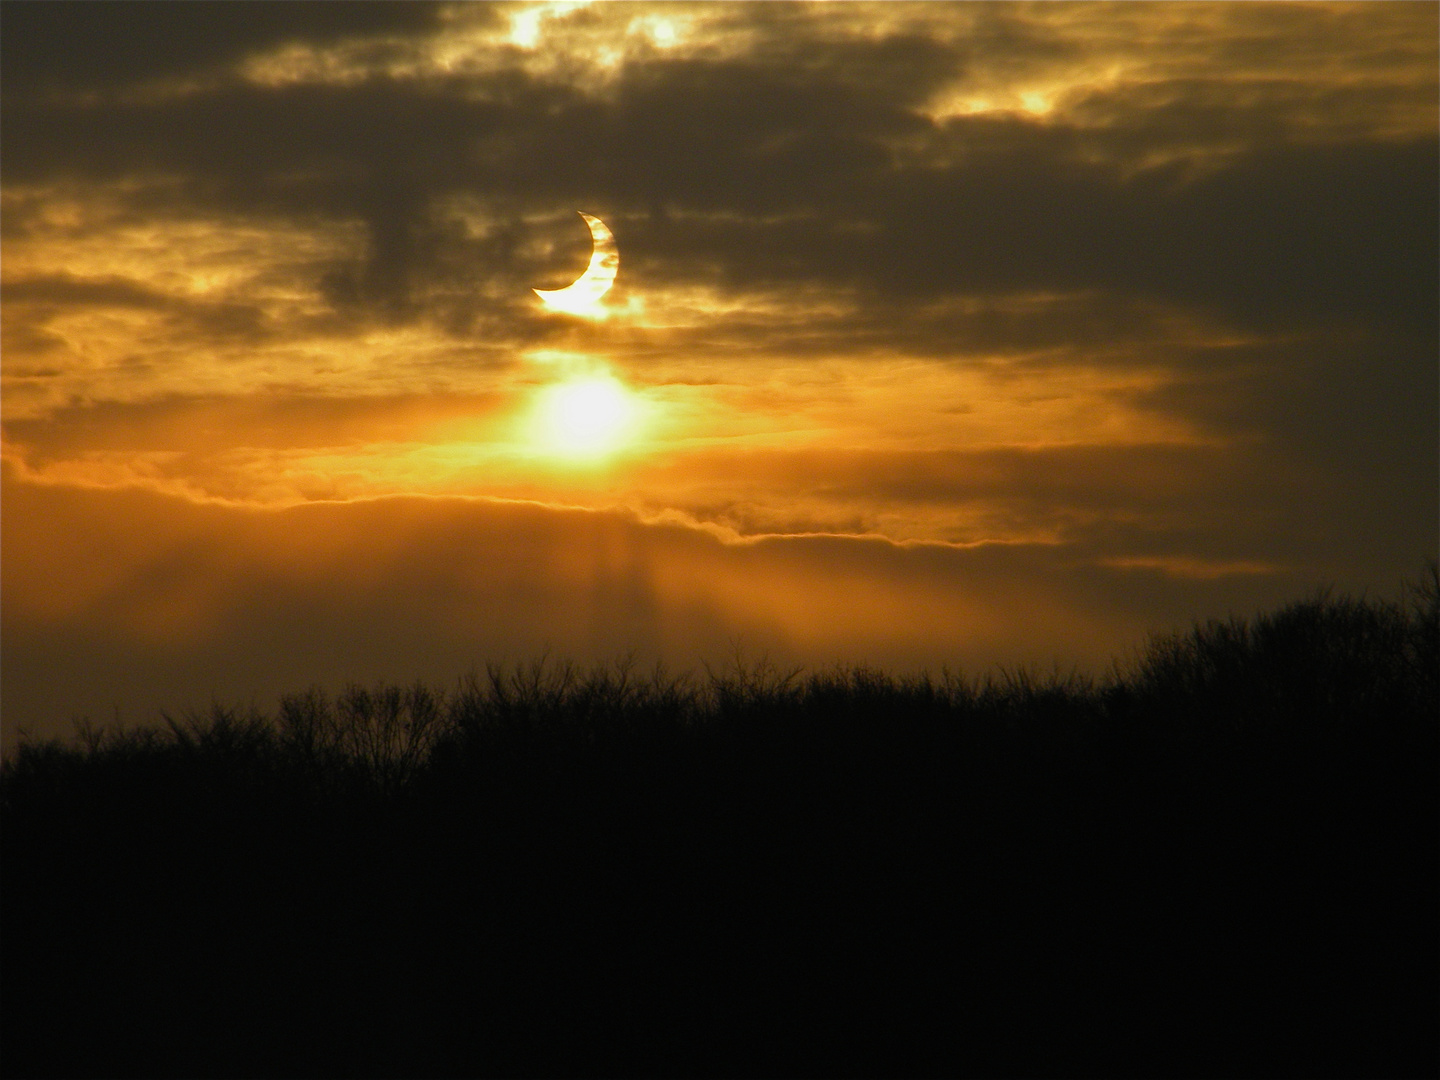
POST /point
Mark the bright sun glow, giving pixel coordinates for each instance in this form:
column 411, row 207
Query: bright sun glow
column 585, row 418
column 525, row 29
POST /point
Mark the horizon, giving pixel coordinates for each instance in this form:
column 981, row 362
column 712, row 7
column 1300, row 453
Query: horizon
column 911, row 335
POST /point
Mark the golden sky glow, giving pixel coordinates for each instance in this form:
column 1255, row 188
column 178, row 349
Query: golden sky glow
column 939, row 329
column 585, row 418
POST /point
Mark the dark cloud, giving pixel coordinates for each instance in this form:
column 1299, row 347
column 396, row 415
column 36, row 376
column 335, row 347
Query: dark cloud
column 1348, row 428
column 1264, row 500
column 105, row 44
column 32, row 300
column 1274, row 232
column 230, row 421
column 67, row 289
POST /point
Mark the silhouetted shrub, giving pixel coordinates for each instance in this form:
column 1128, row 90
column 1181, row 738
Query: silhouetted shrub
column 1219, row 860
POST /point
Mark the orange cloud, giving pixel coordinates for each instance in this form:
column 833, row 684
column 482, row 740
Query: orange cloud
column 131, row 598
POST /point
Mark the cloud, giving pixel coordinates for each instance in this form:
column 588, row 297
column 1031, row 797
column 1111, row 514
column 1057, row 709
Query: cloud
column 91, row 45
column 943, row 312
column 135, row 599
column 813, row 126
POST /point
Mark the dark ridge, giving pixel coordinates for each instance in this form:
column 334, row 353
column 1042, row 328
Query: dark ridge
column 1221, row 860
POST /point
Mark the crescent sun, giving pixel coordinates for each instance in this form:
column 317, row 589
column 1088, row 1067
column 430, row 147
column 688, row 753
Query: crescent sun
column 582, row 296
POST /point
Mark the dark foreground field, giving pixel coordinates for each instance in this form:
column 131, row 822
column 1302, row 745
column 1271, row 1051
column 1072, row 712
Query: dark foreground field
column 1222, row 861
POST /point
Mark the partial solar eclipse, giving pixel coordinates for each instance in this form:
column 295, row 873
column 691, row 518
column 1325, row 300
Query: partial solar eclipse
column 582, row 296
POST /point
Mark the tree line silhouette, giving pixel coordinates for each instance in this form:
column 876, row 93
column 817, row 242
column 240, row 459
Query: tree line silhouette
column 1221, row 859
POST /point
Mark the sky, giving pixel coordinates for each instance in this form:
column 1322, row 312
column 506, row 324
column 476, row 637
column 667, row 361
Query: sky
column 943, row 335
